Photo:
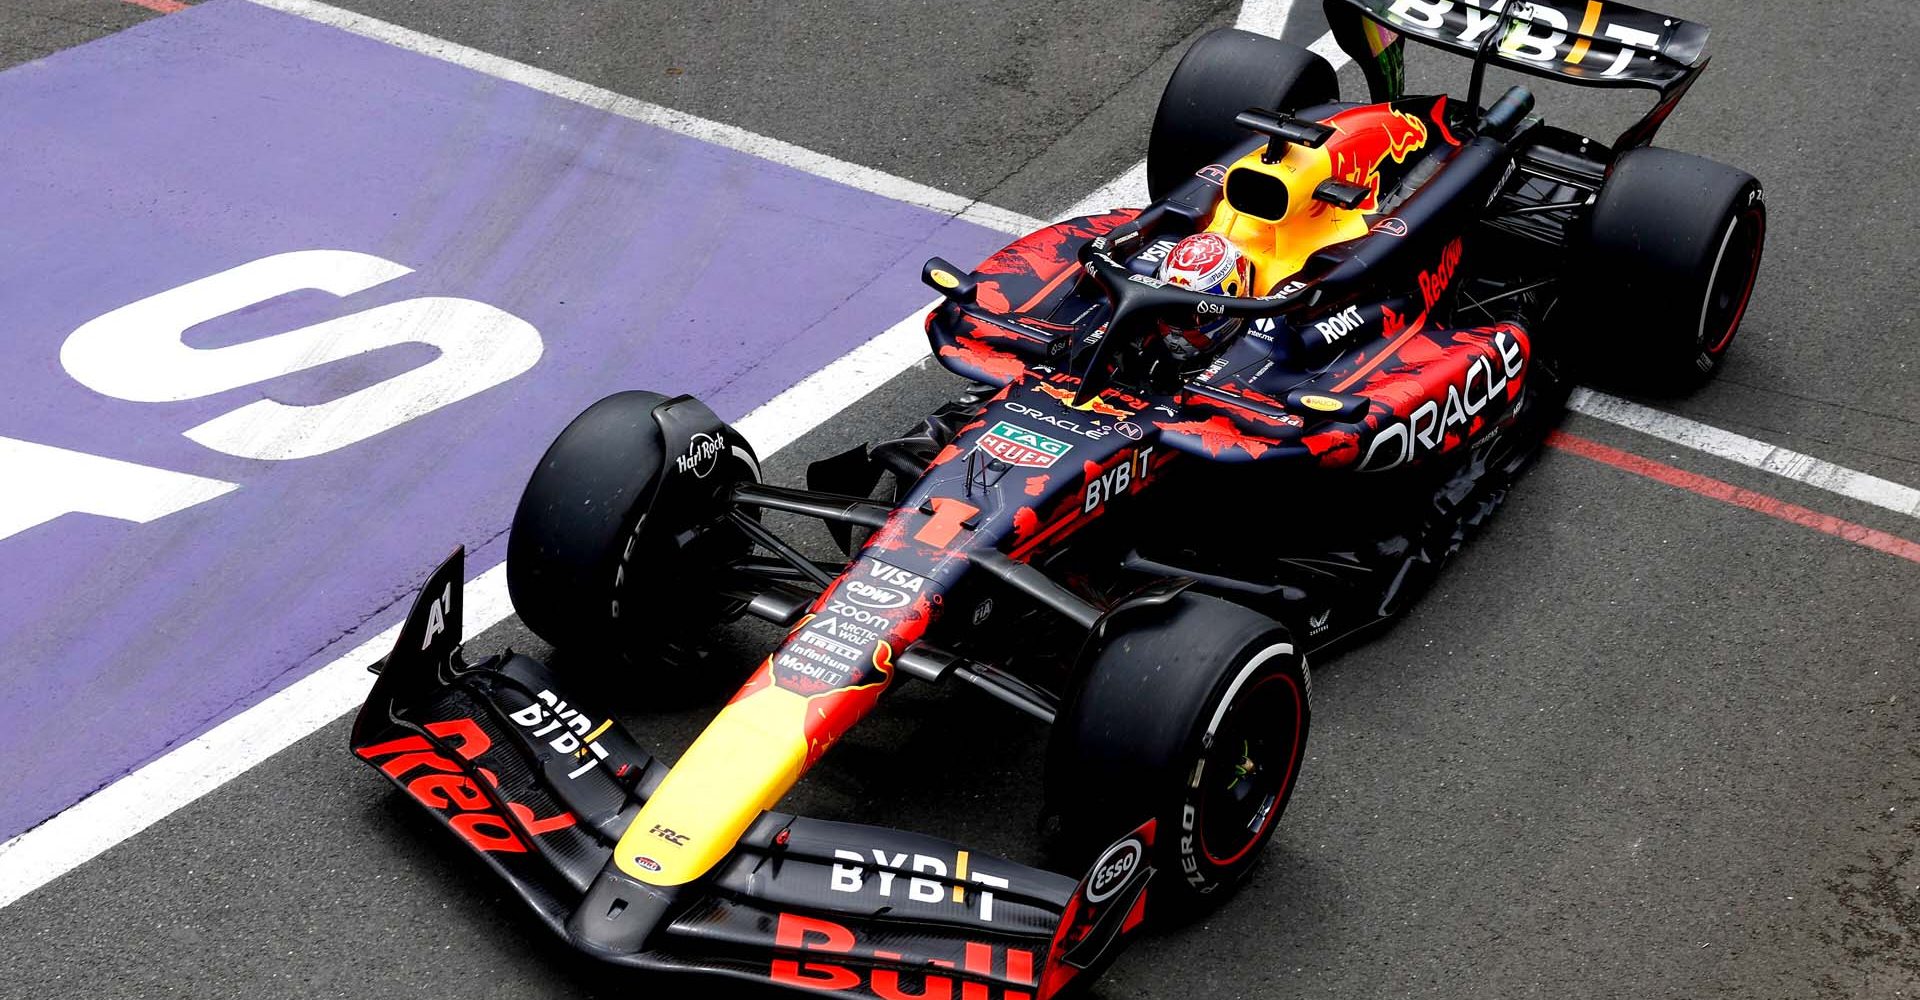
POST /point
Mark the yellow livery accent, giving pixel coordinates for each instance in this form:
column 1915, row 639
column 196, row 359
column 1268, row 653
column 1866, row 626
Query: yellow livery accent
column 749, row 756
column 1278, row 249
column 1588, row 22
column 960, row 875
column 1293, row 224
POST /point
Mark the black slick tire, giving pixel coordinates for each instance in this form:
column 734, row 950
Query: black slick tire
column 1667, row 270
column 1194, row 714
column 586, row 566
column 1223, row 73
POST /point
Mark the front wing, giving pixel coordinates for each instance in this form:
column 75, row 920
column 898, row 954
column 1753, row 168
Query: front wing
column 541, row 787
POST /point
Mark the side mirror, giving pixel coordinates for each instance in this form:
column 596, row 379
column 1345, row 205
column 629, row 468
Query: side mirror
column 953, row 282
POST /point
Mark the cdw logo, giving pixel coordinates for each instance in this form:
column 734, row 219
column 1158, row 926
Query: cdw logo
column 138, row 352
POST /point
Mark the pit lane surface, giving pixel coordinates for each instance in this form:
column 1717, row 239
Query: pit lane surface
column 1637, row 742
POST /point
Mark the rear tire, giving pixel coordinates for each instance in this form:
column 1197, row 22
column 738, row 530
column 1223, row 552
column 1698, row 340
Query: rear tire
column 1669, row 267
column 1225, row 72
column 1196, row 714
column 587, row 567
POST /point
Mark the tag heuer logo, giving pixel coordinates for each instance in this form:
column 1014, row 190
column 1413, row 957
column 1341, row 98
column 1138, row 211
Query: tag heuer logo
column 1019, row 446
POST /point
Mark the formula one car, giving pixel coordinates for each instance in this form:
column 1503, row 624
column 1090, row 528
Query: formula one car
column 1201, row 441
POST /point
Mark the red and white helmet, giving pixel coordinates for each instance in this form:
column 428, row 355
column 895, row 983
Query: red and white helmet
column 1205, row 262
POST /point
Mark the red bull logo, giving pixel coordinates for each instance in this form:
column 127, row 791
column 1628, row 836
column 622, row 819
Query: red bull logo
column 442, row 784
column 1367, row 137
column 1097, row 404
column 1433, row 284
column 817, row 943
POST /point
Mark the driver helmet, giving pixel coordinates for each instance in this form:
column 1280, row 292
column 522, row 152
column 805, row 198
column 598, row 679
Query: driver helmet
column 1205, row 262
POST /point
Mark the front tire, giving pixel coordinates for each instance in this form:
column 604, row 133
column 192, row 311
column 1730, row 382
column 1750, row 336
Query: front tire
column 1196, row 714
column 1669, row 266
column 593, row 563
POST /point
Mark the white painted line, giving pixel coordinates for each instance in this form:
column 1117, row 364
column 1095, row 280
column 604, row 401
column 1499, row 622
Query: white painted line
column 1326, row 48
column 738, row 139
column 1129, row 190
column 1269, row 17
column 1752, row 453
column 815, row 399
column 175, row 780
column 199, row 766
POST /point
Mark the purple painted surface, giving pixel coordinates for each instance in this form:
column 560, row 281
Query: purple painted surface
column 206, row 139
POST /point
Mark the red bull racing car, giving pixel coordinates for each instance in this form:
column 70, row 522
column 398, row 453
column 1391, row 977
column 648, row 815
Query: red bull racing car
column 1201, row 441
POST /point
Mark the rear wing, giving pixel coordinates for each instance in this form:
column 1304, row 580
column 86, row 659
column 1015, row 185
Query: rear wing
column 1594, row 43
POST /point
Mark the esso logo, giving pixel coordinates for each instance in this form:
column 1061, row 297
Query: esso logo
column 647, row 863
column 868, row 595
column 1111, row 871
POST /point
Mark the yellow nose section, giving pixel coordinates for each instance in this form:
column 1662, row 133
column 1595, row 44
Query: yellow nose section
column 748, row 757
column 1280, row 247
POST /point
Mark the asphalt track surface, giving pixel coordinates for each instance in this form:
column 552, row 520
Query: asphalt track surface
column 1637, row 742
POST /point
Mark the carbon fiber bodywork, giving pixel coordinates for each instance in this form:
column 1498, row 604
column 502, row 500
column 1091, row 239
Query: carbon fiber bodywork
column 1307, row 470
column 541, row 786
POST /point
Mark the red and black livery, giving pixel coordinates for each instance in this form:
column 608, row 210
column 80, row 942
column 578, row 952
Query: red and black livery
column 1138, row 545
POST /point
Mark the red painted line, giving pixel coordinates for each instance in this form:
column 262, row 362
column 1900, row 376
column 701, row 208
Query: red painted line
column 1390, row 351
column 162, row 6
column 1858, row 534
column 1048, row 288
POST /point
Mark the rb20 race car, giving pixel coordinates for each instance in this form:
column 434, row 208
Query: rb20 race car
column 1132, row 532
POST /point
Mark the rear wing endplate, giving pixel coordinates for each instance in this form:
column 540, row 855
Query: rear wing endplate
column 1594, row 43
